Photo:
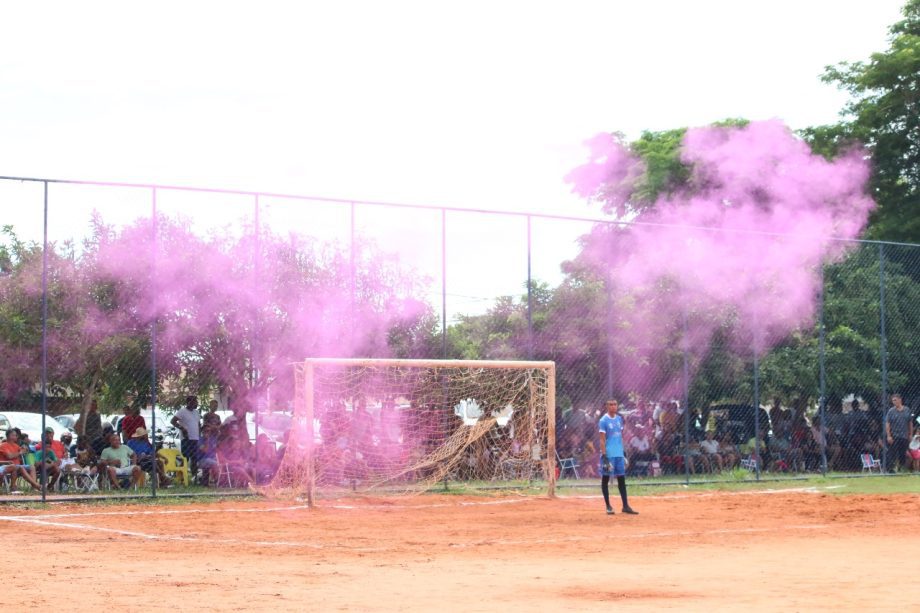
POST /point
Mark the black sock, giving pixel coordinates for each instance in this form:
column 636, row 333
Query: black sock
column 605, row 490
column 621, row 485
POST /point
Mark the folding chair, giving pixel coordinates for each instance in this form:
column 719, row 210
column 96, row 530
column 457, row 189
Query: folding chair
column 750, row 463
column 567, row 464
column 870, row 463
column 175, row 463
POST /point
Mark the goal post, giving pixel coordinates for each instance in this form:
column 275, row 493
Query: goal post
column 394, row 425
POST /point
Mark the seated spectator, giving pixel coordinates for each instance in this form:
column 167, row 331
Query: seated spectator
column 232, row 452
column 207, row 450
column 11, row 454
column 103, row 441
column 119, row 461
column 914, row 450
column 731, row 456
column 696, row 460
column 710, row 449
column 587, row 460
column 144, row 452
column 52, row 460
column 640, row 446
column 266, row 460
column 24, row 442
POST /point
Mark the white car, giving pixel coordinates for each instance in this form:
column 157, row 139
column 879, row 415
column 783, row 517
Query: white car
column 31, row 424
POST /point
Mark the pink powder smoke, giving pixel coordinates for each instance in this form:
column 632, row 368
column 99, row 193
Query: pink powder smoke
column 743, row 243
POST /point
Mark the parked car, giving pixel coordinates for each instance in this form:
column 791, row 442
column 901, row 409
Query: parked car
column 68, row 421
column 31, row 424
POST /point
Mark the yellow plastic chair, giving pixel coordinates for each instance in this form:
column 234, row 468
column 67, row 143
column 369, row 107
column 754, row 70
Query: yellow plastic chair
column 175, row 464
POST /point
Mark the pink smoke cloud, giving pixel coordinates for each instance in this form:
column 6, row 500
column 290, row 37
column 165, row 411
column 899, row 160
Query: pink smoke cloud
column 748, row 238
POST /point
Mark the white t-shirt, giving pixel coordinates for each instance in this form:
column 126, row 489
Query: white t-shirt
column 710, row 446
column 640, row 444
column 190, row 420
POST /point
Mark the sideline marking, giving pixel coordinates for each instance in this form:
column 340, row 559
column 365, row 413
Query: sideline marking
column 480, row 543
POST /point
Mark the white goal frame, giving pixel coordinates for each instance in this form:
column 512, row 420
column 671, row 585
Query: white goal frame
column 304, row 399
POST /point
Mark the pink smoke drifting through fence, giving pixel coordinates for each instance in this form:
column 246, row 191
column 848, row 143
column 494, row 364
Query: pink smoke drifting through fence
column 743, row 242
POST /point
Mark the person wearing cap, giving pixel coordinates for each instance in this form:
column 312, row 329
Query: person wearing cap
column 143, row 449
column 119, row 461
column 188, row 421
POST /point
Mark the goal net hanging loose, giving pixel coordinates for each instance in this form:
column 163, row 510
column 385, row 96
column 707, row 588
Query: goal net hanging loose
column 408, row 425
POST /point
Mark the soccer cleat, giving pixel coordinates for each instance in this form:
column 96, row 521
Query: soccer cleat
column 629, row 511
column 609, row 511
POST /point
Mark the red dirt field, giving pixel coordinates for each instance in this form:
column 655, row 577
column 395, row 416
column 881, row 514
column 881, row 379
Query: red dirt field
column 695, row 551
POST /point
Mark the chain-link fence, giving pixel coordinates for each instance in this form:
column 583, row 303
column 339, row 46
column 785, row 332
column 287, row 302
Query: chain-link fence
column 118, row 299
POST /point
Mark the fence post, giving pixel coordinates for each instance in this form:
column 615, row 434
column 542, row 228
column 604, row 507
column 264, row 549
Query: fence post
column 822, row 376
column 444, row 283
column 529, row 297
column 685, row 397
column 44, row 472
column 883, row 348
column 757, row 455
column 153, row 340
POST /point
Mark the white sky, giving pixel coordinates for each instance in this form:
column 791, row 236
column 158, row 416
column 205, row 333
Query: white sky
column 472, row 104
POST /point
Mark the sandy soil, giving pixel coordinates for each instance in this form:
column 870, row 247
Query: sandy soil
column 696, row 551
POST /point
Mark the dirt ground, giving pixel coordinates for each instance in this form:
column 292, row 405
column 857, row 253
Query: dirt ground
column 696, row 551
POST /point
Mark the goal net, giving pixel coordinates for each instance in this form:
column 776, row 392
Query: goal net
column 408, row 425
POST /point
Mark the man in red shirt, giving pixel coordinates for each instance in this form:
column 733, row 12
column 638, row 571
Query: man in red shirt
column 131, row 422
column 11, row 453
column 56, row 446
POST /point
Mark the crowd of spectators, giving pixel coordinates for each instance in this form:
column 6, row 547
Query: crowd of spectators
column 661, row 439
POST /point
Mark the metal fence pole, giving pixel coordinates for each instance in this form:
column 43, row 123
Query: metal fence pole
column 444, row 283
column 883, row 349
column 257, row 259
column 757, row 455
column 529, row 297
column 153, row 342
column 44, row 454
column 685, row 394
column 822, row 376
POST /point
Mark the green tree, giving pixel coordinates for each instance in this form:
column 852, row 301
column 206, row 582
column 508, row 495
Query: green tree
column 884, row 114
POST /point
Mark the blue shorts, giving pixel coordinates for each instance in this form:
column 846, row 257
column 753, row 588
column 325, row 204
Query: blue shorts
column 617, row 468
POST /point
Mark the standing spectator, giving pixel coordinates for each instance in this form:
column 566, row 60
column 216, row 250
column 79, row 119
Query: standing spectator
column 131, row 422
column 90, row 425
column 188, row 421
column 900, row 429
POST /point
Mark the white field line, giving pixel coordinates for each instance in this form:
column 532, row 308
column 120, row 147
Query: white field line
column 440, row 505
column 480, row 543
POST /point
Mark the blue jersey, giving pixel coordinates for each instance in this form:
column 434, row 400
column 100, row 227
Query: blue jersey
column 612, row 427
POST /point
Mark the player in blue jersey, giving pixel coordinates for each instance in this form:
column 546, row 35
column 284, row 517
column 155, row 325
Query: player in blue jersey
column 613, row 460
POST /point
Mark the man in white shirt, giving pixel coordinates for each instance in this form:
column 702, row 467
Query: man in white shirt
column 188, row 421
column 710, row 447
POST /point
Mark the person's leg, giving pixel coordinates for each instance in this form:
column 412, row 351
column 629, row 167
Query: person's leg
column 605, row 490
column 27, row 475
column 619, row 469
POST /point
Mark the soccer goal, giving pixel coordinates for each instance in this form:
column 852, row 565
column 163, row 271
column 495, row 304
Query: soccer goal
column 409, row 425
